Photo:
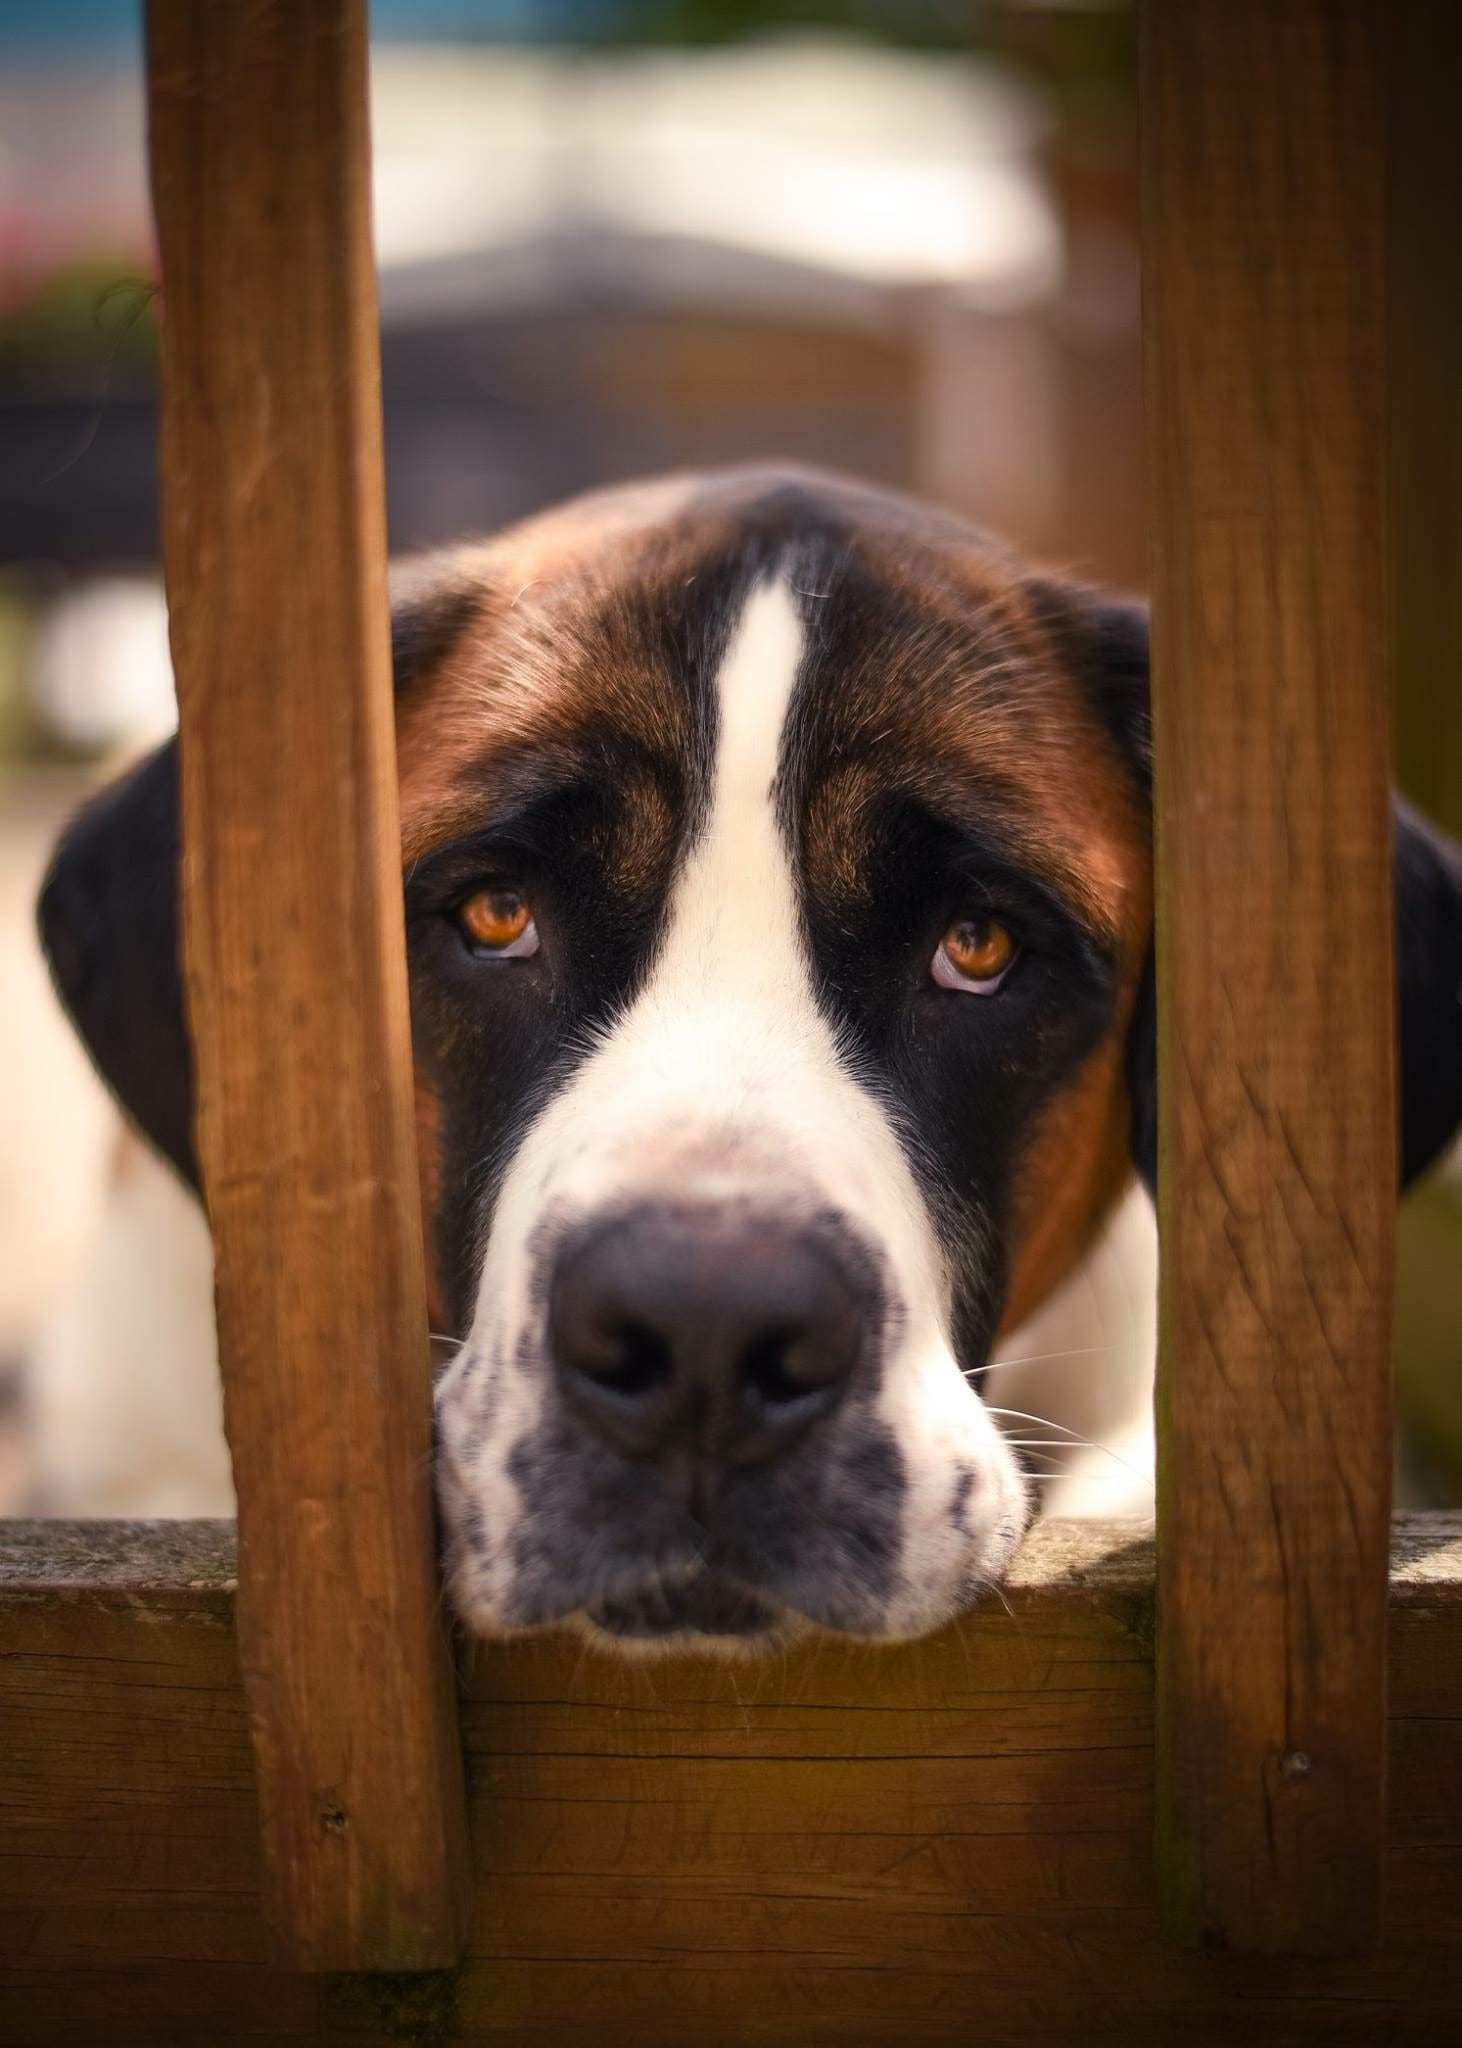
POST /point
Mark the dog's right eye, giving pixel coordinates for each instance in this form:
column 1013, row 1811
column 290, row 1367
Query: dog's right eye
column 975, row 955
column 498, row 922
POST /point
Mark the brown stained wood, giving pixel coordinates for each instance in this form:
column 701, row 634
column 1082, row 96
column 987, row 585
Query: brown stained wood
column 936, row 1844
column 275, row 553
column 1263, row 312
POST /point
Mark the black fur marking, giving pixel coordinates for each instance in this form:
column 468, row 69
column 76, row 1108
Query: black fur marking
column 474, row 1527
column 962, row 1077
column 432, row 603
column 108, row 918
column 1428, row 902
column 1102, row 640
column 959, row 1506
column 1428, row 869
column 818, row 1532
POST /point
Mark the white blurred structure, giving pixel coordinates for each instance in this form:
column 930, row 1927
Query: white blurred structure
column 57, row 1128
column 892, row 168
column 900, row 168
column 125, row 1407
column 102, row 673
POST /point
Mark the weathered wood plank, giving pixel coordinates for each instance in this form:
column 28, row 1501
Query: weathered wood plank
column 1264, row 308
column 274, row 543
column 945, row 1841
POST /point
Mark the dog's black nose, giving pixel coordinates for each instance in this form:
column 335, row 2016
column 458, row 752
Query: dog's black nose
column 717, row 1333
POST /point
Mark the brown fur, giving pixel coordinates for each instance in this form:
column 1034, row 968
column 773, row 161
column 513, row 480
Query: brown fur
column 533, row 664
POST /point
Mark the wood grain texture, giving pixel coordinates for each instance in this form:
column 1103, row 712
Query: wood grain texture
column 275, row 553
column 1263, row 316
column 937, row 1844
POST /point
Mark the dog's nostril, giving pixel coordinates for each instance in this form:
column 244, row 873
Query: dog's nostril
column 635, row 1360
column 764, row 1369
column 784, row 1366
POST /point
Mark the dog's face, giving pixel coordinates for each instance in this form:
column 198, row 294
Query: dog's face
column 778, row 901
column 777, row 898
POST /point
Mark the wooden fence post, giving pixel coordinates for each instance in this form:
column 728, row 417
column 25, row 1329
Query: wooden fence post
column 275, row 552
column 1263, row 291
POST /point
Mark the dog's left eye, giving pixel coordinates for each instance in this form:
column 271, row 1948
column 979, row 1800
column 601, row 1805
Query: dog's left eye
column 498, row 922
column 975, row 955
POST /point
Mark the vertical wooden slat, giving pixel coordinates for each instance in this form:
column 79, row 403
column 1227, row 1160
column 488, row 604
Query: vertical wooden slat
column 275, row 552
column 1263, row 295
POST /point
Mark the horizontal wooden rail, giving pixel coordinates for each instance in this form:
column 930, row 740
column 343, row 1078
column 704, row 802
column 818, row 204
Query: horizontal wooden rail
column 939, row 1843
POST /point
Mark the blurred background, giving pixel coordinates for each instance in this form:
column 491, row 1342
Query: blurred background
column 895, row 237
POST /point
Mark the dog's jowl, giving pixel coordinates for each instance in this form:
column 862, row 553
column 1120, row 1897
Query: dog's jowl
column 778, row 890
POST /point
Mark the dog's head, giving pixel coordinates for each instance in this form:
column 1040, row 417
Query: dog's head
column 778, row 893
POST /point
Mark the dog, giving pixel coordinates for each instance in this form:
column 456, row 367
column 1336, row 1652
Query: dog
column 779, row 899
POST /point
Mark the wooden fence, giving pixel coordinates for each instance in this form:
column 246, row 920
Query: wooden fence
column 928, row 1844
column 941, row 1844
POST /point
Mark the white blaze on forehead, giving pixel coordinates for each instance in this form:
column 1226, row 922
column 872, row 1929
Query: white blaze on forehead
column 734, row 924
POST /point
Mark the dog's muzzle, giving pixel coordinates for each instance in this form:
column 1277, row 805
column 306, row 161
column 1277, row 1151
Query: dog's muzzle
column 714, row 1414
column 699, row 1352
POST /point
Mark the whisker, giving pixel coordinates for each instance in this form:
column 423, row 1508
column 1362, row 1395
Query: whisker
column 1049, row 1444
column 973, row 1372
column 1041, row 1422
column 1072, row 1440
column 992, row 1586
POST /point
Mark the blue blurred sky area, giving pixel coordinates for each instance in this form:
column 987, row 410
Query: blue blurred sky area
column 60, row 25
column 91, row 28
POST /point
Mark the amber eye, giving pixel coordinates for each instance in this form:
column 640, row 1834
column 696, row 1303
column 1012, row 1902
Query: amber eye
column 498, row 921
column 975, row 954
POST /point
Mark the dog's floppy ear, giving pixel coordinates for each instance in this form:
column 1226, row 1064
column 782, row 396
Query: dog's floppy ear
column 1106, row 641
column 1427, row 869
column 1428, row 872
column 109, row 925
column 108, row 909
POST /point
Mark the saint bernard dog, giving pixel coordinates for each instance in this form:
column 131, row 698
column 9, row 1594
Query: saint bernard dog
column 778, row 879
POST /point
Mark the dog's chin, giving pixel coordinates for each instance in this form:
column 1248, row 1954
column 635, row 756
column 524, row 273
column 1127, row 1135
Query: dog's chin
column 705, row 1613
column 705, row 1603
column 712, row 1619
